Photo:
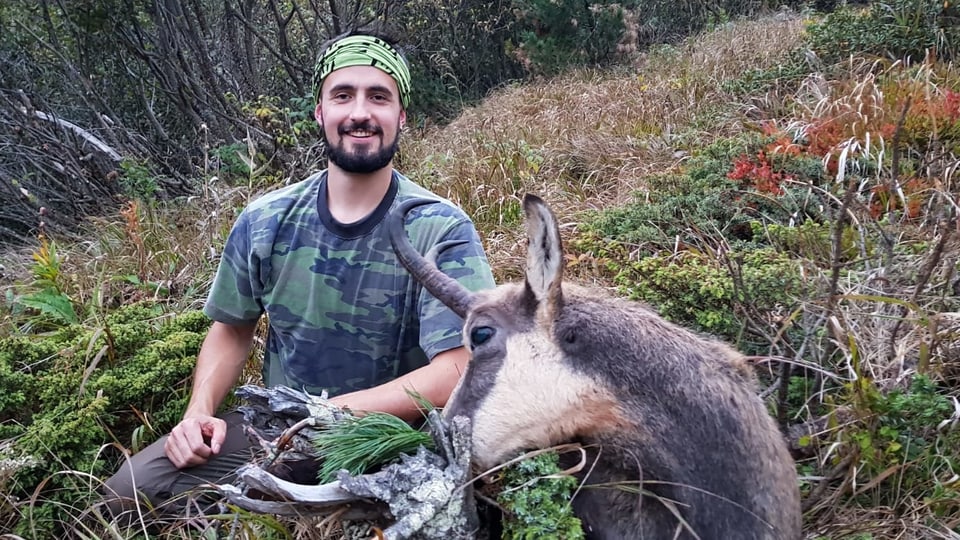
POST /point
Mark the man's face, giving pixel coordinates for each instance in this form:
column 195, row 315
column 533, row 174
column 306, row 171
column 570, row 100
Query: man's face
column 361, row 117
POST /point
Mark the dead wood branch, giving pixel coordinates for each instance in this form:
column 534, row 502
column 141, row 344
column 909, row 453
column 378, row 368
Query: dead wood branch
column 427, row 496
column 297, row 499
column 82, row 133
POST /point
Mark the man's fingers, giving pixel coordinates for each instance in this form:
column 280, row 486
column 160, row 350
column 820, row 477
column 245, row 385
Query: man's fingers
column 181, row 459
column 218, row 435
column 174, row 452
column 192, row 437
column 185, row 447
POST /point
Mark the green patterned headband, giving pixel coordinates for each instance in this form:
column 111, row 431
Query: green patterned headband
column 363, row 51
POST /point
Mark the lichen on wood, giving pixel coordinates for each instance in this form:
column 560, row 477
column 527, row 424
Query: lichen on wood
column 425, row 496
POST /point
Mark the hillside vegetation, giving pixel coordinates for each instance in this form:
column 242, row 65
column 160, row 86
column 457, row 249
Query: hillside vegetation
column 785, row 183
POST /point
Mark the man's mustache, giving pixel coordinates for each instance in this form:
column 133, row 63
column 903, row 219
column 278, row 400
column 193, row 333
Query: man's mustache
column 360, row 126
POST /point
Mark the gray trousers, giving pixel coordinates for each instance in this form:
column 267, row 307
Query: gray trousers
column 149, row 480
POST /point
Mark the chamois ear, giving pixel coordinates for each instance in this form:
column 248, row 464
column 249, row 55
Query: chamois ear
column 544, row 256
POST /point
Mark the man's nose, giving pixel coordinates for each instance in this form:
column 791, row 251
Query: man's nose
column 360, row 109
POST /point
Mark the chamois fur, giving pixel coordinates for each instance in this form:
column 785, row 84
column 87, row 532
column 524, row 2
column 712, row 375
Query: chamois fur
column 659, row 408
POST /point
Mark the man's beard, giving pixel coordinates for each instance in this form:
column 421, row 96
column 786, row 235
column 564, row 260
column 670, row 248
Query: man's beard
column 362, row 161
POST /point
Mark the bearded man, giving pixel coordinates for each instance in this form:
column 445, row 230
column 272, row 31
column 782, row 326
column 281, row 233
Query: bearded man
column 344, row 316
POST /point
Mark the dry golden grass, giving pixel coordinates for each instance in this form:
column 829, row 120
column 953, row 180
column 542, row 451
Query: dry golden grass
column 878, row 523
column 587, row 139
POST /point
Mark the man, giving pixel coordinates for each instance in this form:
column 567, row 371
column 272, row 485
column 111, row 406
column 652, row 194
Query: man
column 315, row 257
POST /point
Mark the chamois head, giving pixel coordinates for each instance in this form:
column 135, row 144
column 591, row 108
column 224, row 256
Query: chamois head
column 657, row 404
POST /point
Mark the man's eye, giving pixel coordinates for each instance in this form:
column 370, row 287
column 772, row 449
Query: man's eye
column 481, row 335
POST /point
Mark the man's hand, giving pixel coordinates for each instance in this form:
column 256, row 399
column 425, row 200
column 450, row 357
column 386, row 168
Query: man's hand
column 199, row 435
column 195, row 440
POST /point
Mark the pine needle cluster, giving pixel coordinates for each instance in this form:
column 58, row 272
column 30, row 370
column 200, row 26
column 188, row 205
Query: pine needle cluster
column 360, row 443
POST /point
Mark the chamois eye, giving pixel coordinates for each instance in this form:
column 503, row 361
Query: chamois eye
column 481, row 335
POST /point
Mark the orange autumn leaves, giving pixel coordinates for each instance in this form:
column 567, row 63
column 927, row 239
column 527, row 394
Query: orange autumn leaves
column 908, row 115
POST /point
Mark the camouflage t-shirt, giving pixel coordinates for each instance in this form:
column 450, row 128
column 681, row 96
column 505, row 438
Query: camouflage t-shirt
column 344, row 314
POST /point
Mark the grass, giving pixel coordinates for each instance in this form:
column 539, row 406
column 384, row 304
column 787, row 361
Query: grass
column 586, row 140
column 880, row 270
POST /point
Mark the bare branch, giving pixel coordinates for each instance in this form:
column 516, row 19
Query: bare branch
column 84, row 134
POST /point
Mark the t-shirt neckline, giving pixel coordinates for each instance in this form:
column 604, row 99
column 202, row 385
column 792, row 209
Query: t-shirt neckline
column 363, row 226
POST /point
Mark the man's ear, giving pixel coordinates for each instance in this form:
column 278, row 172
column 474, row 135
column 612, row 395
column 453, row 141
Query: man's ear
column 318, row 115
column 403, row 118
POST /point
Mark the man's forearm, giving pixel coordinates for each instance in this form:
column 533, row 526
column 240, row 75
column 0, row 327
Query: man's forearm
column 219, row 365
column 434, row 382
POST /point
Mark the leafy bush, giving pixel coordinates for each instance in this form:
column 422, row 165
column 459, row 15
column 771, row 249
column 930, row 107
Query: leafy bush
column 786, row 76
column 930, row 116
column 724, row 188
column 908, row 431
column 536, row 498
column 138, row 181
column 895, row 29
column 812, row 241
column 696, row 290
column 280, row 146
column 562, row 33
column 68, row 393
column 231, row 162
column 704, row 235
column 47, row 299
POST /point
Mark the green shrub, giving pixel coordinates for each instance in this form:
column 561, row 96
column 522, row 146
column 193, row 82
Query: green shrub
column 895, row 29
column 65, row 395
column 799, row 391
column 45, row 305
column 231, row 161
column 908, row 431
column 562, row 33
column 812, row 241
column 706, row 236
column 722, row 190
column 786, row 77
column 696, row 290
column 138, row 181
column 536, row 500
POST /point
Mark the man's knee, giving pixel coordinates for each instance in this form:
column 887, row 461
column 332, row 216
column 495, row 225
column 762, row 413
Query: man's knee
column 148, row 480
column 141, row 481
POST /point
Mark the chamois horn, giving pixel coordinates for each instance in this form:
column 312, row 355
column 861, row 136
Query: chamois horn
column 443, row 287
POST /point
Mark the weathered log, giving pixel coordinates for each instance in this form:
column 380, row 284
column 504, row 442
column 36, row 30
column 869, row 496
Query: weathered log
column 430, row 495
column 427, row 496
column 272, row 413
column 297, row 499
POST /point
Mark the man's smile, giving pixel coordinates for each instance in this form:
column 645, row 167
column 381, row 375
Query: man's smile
column 360, row 132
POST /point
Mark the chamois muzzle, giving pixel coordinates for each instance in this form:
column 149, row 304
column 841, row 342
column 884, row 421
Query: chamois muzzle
column 446, row 289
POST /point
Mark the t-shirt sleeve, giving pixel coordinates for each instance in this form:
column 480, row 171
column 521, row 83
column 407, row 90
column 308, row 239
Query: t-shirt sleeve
column 237, row 288
column 465, row 261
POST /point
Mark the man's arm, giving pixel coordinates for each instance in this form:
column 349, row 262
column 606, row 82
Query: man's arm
column 219, row 364
column 435, row 382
